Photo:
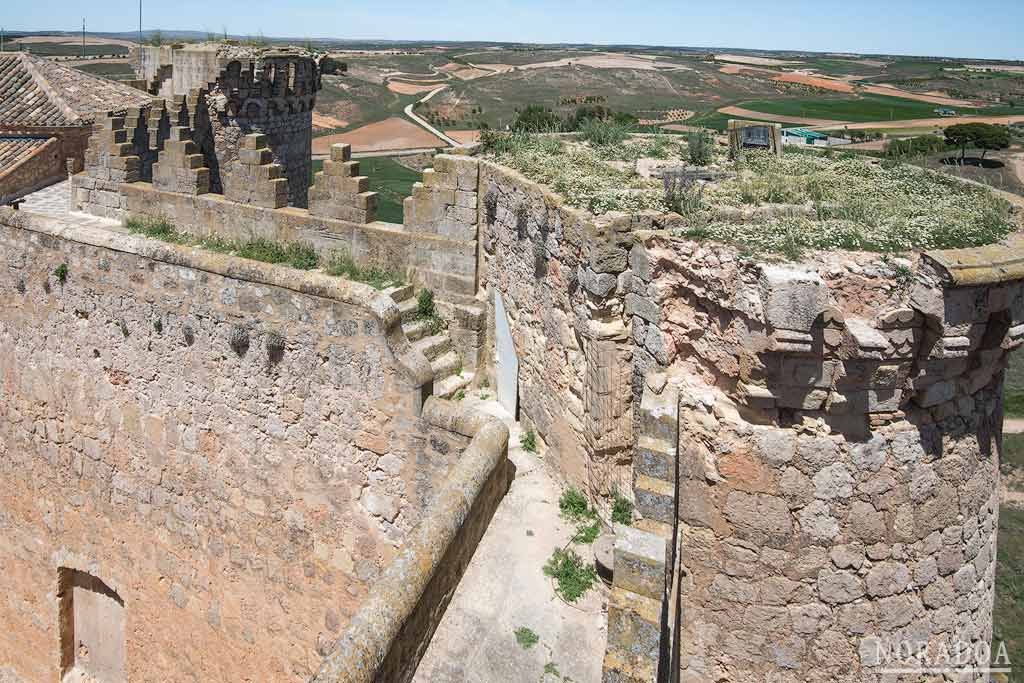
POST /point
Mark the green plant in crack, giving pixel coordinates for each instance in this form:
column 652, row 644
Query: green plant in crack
column 622, row 509
column 426, row 311
column 575, row 507
column 573, row 577
column 61, row 272
column 526, row 637
column 528, row 440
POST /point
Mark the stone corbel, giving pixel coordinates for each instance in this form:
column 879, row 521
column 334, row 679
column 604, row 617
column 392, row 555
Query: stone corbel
column 792, row 300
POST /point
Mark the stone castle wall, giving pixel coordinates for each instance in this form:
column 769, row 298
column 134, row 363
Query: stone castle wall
column 44, row 167
column 572, row 286
column 232, row 447
column 837, row 457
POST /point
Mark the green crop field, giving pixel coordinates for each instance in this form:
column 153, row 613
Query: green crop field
column 116, row 72
column 841, row 67
column 860, row 108
column 390, row 180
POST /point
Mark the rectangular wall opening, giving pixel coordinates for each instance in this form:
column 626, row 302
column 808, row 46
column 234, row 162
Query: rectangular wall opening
column 91, row 629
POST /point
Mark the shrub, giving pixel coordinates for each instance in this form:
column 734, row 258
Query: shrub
column 701, row 147
column 587, row 533
column 572, row 576
column 683, row 194
column 604, row 133
column 61, row 272
column 537, row 119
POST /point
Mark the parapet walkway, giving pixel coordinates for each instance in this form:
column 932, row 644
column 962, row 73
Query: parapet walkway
column 505, row 589
column 55, row 201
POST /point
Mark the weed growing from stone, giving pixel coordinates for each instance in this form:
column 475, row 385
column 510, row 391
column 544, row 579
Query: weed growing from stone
column 587, row 533
column 552, row 670
column 123, row 326
column 571, row 574
column 158, row 325
column 299, row 255
column 622, row 510
column 61, row 272
column 460, row 395
column 341, row 264
column 575, row 506
column 528, row 440
column 484, row 396
column 426, row 311
column 526, row 637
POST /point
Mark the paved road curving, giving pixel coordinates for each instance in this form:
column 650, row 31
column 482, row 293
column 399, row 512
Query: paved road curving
column 423, row 123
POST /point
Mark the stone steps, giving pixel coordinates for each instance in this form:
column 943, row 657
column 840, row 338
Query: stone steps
column 434, row 347
column 400, row 293
column 448, row 387
column 407, row 308
column 416, row 330
column 447, row 364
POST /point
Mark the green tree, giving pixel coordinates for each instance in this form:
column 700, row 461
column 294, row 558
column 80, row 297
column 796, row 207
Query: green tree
column 983, row 136
column 537, row 119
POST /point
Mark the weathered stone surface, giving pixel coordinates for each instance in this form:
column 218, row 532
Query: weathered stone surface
column 792, row 299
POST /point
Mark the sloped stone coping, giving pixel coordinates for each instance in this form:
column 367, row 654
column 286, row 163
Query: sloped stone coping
column 991, row 264
column 413, row 364
column 388, row 635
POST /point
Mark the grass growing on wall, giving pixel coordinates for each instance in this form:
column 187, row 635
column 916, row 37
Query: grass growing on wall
column 299, row 255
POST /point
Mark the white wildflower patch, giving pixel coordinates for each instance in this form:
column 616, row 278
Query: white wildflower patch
column 852, row 202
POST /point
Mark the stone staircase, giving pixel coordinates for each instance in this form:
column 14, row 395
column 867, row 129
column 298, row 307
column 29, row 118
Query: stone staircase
column 449, row 377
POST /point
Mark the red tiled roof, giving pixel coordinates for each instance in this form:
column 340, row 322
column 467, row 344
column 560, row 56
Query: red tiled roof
column 39, row 92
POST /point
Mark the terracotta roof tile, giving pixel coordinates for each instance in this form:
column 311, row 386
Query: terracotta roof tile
column 39, row 92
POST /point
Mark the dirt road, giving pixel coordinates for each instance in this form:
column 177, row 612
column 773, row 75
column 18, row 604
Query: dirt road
column 923, row 123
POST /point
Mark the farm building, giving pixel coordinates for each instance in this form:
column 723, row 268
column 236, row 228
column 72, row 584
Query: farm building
column 803, row 136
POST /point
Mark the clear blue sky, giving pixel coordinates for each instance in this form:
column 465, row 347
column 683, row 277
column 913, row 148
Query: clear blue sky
column 967, row 28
